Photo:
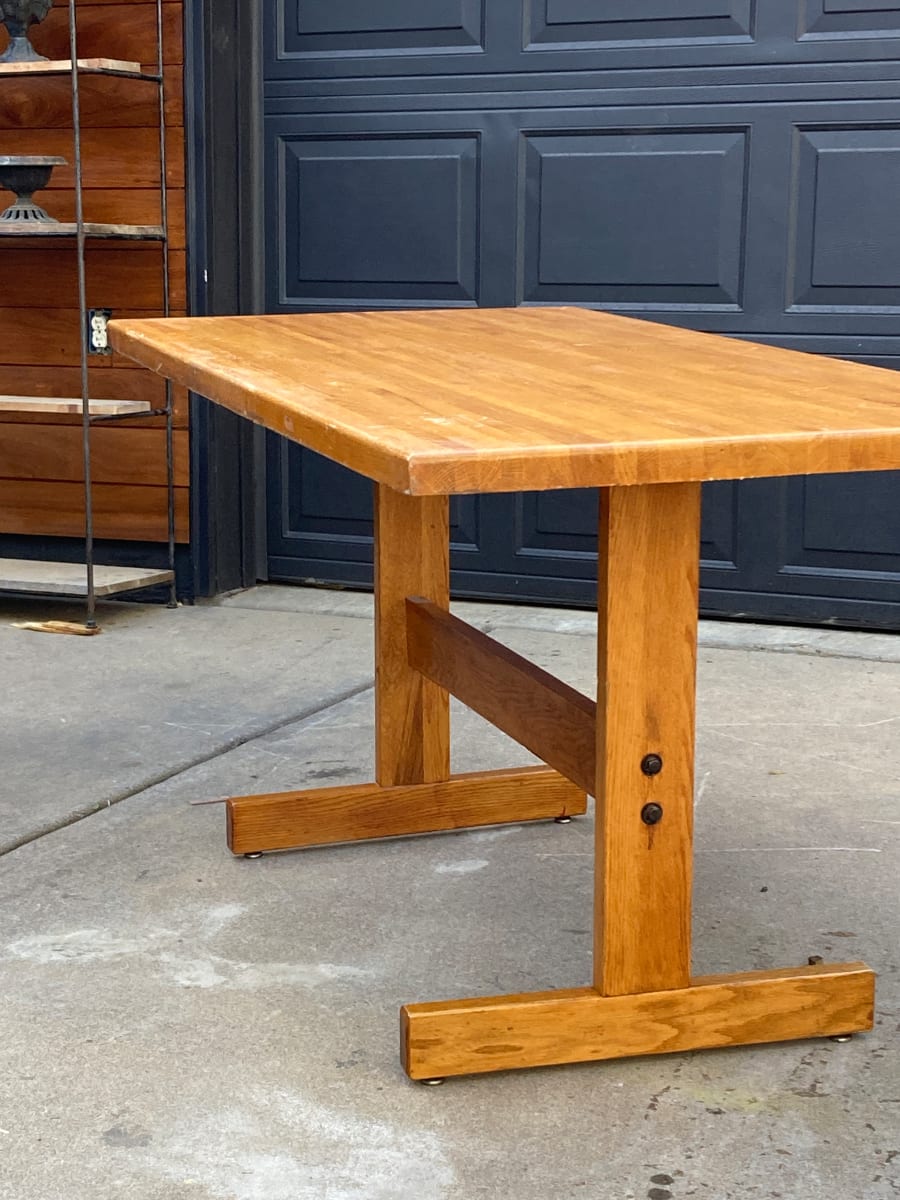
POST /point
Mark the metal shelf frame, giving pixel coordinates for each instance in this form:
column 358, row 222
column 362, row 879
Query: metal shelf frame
column 82, row 231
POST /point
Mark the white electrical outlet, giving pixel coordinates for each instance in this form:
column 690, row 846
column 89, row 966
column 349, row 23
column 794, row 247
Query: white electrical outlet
column 97, row 333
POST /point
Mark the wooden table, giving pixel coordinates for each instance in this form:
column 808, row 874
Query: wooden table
column 435, row 403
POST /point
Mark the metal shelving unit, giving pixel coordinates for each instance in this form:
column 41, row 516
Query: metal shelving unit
column 17, row 575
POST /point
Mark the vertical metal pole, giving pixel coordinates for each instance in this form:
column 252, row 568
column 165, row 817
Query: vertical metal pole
column 91, row 620
column 164, row 221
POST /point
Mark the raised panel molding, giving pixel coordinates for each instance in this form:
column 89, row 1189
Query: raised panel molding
column 844, row 252
column 558, row 525
column 597, row 22
column 326, row 510
column 340, row 27
column 638, row 220
column 849, row 18
column 378, row 219
column 562, row 525
column 842, row 526
column 719, row 529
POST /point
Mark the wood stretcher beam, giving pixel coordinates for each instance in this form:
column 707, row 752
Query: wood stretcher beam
column 540, row 712
column 321, row 816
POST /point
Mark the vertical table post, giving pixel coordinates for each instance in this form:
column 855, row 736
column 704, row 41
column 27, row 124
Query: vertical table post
column 412, row 714
column 647, row 613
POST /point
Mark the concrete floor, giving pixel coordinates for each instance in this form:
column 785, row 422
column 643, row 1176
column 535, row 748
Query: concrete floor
column 180, row 1024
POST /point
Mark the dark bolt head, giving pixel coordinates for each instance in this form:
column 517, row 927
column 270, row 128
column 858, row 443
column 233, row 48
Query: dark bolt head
column 651, row 764
column 652, row 814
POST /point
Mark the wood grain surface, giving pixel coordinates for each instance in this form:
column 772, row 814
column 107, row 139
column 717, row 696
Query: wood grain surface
column 51, row 337
column 451, row 401
column 412, row 714
column 136, row 513
column 111, row 157
column 648, row 604
column 320, row 816
column 118, row 454
column 113, row 28
column 467, row 1037
column 117, row 277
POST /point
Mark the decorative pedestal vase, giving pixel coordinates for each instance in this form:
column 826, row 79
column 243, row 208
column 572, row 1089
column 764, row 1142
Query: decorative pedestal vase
column 18, row 16
column 24, row 175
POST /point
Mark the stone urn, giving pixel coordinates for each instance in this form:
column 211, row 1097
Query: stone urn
column 24, row 175
column 18, row 16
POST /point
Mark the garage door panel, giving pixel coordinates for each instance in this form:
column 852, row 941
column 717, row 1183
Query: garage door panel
column 361, row 39
column 322, row 523
column 840, row 537
column 601, row 22
column 626, row 217
column 719, row 526
column 340, row 27
column 842, row 235
column 855, row 516
column 371, row 217
column 550, row 525
column 838, row 19
column 320, row 502
column 561, row 525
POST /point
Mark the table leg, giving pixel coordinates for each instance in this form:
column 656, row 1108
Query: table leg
column 412, row 714
column 643, row 999
column 413, row 791
column 648, row 597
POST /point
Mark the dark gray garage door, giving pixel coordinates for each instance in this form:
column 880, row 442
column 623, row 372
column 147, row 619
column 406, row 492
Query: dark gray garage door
column 726, row 164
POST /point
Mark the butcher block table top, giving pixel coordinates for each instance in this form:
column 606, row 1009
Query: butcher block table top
column 493, row 400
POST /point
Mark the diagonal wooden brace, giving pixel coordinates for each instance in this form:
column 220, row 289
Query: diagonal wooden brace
column 534, row 708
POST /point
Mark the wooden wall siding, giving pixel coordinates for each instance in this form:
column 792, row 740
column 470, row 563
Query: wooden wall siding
column 40, row 455
column 27, row 453
column 120, row 510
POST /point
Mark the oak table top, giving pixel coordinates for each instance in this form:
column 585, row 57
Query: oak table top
column 447, row 401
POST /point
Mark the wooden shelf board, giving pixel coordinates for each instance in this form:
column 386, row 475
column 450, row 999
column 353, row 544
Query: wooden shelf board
column 68, row 579
column 92, row 229
column 88, row 66
column 52, row 404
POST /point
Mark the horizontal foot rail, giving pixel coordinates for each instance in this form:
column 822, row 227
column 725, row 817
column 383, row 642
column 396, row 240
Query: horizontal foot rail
column 464, row 1037
column 321, row 816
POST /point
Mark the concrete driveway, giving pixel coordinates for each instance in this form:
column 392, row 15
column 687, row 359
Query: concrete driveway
column 177, row 1023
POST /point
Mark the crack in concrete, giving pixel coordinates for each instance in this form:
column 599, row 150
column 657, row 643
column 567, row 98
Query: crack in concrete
column 809, row 754
column 232, row 743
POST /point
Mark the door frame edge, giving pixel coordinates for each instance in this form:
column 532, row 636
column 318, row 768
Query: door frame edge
column 224, row 149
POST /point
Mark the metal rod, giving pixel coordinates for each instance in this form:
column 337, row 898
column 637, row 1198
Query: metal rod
column 91, row 620
column 164, row 221
column 127, row 417
column 170, row 482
